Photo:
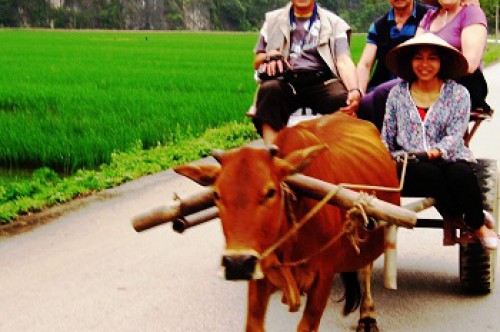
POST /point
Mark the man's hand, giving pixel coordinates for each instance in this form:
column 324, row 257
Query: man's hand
column 352, row 101
column 348, row 75
column 274, row 64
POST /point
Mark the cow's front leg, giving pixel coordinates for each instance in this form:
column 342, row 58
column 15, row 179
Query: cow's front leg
column 317, row 298
column 367, row 317
column 259, row 292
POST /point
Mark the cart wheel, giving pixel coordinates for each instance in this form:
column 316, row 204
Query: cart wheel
column 477, row 265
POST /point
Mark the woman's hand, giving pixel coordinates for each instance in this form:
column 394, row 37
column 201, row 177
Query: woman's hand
column 434, row 154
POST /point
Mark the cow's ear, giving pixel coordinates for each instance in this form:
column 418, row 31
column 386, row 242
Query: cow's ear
column 298, row 160
column 203, row 174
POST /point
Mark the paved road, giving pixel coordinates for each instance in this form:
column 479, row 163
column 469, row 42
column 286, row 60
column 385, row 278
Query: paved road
column 87, row 270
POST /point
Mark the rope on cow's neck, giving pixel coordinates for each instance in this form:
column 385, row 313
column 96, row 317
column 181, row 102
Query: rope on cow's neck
column 288, row 196
column 350, row 229
column 353, row 216
column 298, row 225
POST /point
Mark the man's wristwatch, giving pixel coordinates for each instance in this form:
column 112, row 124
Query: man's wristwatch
column 277, row 57
column 358, row 90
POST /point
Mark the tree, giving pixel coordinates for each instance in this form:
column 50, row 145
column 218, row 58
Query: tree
column 173, row 15
column 34, row 13
column 360, row 14
column 489, row 7
column 8, row 14
column 244, row 15
column 256, row 9
column 229, row 15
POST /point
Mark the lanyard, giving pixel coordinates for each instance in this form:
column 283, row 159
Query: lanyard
column 311, row 22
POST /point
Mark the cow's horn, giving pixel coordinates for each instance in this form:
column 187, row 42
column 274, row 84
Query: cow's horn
column 217, row 154
column 273, row 150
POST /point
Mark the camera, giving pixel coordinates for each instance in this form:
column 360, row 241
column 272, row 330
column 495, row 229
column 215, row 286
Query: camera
column 263, row 76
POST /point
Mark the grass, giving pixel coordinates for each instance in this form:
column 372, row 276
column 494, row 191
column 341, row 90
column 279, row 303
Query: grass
column 45, row 188
column 492, row 53
column 70, row 99
column 109, row 107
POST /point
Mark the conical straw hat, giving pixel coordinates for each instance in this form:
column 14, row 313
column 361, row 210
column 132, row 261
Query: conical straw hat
column 453, row 63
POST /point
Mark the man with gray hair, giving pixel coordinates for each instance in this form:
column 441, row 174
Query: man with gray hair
column 302, row 59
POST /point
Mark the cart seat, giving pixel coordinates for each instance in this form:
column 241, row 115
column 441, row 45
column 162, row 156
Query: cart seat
column 477, row 116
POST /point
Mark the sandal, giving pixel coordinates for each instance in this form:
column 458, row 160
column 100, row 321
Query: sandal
column 487, row 238
column 489, row 221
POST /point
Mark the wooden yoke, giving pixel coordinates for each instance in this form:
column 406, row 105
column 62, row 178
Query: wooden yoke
column 176, row 209
column 308, row 186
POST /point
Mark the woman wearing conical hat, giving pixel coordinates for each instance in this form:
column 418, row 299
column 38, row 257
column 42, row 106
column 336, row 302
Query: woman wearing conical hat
column 429, row 112
column 465, row 28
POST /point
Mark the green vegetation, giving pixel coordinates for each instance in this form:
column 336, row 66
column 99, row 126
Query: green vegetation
column 217, row 15
column 492, row 53
column 69, row 99
column 46, row 188
column 109, row 107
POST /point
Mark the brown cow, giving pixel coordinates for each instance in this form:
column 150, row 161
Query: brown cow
column 248, row 190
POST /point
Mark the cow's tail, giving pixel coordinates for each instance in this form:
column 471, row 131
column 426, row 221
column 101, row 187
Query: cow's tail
column 352, row 295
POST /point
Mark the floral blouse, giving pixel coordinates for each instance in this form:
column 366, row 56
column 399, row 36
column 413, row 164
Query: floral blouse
column 443, row 127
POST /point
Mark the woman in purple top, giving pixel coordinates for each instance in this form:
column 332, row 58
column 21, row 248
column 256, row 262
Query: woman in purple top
column 465, row 28
column 429, row 112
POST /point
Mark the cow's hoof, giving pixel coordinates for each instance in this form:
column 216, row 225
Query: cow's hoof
column 367, row 324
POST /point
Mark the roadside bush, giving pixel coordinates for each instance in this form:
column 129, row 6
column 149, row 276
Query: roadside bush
column 48, row 189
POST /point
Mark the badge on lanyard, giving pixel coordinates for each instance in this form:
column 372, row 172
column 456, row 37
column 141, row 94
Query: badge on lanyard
column 297, row 52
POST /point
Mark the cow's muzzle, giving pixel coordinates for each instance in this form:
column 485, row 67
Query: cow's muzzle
column 241, row 265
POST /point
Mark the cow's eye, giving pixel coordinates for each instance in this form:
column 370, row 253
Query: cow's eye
column 270, row 193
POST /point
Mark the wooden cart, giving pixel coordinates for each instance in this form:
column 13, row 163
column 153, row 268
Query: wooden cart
column 477, row 265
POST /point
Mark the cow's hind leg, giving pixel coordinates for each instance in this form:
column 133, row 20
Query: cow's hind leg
column 259, row 292
column 317, row 298
column 367, row 318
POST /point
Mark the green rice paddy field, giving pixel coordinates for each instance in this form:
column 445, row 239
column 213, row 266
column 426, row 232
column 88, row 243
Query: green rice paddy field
column 69, row 99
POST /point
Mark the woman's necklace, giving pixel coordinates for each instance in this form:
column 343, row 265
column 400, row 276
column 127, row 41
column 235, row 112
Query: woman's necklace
column 424, row 98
